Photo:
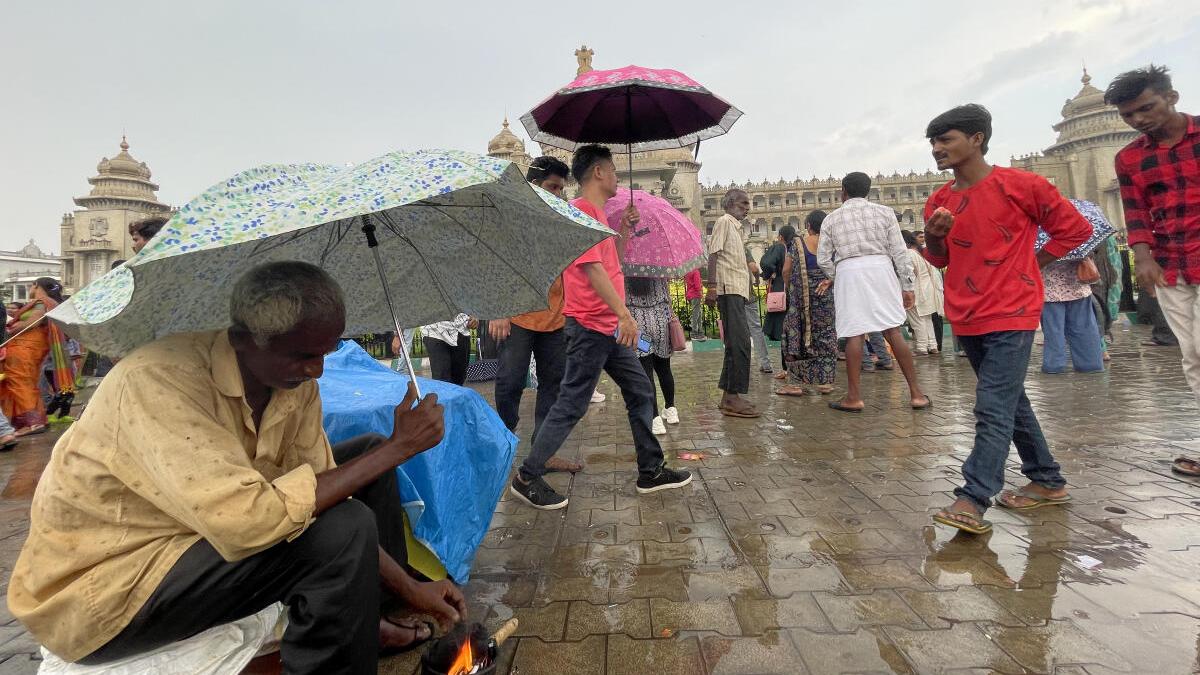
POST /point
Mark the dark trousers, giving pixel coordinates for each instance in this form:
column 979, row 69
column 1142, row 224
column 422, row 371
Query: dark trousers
column 446, row 363
column 1002, row 416
column 328, row 577
column 735, row 370
column 549, row 350
column 657, row 365
column 589, row 353
column 938, row 329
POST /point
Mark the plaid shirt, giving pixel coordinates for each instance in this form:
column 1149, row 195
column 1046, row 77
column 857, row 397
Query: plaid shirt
column 1160, row 189
column 859, row 227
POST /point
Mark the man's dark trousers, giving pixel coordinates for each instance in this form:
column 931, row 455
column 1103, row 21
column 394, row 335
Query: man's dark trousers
column 328, row 577
column 549, row 350
column 735, row 370
column 588, row 354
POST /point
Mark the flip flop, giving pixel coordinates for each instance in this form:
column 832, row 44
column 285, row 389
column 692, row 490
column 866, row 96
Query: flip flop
column 1038, row 500
column 981, row 526
column 9, row 443
column 781, row 376
column 796, row 391
column 392, row 651
column 928, row 403
column 32, row 430
column 1180, row 466
column 837, row 405
column 748, row 414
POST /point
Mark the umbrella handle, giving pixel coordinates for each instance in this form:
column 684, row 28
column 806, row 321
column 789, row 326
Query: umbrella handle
column 629, row 135
column 368, row 229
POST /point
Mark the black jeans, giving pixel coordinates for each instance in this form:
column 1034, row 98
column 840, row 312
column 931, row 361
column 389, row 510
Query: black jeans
column 549, row 350
column 938, row 329
column 735, row 369
column 1002, row 416
column 446, row 363
column 657, row 365
column 589, row 353
column 328, row 577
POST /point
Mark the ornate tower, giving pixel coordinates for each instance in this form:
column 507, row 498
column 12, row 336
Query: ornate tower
column 98, row 233
column 506, row 145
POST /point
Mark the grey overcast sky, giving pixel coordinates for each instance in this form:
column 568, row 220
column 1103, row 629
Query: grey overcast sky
column 206, row 89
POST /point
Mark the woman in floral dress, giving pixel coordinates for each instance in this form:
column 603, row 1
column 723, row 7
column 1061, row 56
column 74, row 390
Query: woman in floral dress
column 649, row 301
column 809, row 336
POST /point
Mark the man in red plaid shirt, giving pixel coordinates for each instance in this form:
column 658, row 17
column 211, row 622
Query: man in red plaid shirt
column 1159, row 174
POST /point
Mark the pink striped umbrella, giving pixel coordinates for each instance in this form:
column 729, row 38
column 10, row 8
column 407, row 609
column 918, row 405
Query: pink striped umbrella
column 665, row 244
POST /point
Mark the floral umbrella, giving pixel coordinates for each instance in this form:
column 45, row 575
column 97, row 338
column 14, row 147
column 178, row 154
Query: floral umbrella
column 447, row 232
column 665, row 244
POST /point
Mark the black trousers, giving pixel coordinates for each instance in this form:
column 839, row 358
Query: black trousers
column 449, row 364
column 657, row 365
column 735, row 370
column 938, row 330
column 550, row 350
column 328, row 577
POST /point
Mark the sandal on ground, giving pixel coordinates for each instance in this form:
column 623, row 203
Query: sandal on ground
column 564, row 465
column 1186, row 467
column 9, row 442
column 791, row 390
column 1007, row 498
column 410, row 624
column 824, row 390
column 927, row 404
column 31, row 430
column 781, row 375
column 976, row 526
column 840, row 407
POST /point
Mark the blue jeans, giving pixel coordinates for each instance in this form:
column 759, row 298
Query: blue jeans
column 754, row 323
column 1003, row 415
column 548, row 348
column 589, row 353
column 1071, row 323
column 875, row 344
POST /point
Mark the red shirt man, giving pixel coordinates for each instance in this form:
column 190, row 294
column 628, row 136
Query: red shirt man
column 582, row 303
column 993, row 282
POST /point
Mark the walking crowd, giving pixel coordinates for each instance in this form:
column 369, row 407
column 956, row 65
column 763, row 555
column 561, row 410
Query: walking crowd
column 113, row 568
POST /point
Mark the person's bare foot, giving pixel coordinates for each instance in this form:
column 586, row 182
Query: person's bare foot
column 397, row 635
column 733, row 405
column 559, row 464
column 781, row 375
column 960, row 506
column 1018, row 499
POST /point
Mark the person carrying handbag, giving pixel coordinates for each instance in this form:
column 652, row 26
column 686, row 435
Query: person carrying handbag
column 771, row 266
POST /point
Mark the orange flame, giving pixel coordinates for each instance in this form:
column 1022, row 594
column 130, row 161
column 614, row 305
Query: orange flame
column 464, row 662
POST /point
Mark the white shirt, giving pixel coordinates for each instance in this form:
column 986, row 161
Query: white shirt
column 447, row 331
column 860, row 228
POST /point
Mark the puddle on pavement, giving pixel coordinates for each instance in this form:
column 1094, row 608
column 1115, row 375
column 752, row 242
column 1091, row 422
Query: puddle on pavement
column 25, row 476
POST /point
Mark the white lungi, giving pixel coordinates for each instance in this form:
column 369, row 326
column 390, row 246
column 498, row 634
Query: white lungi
column 866, row 296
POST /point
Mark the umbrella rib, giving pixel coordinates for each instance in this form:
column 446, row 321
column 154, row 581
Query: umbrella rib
column 491, row 250
column 391, row 226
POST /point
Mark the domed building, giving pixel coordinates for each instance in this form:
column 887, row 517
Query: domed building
column 98, row 233
column 506, row 145
column 1080, row 162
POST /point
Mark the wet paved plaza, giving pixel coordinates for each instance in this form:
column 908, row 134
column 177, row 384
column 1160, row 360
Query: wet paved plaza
column 805, row 543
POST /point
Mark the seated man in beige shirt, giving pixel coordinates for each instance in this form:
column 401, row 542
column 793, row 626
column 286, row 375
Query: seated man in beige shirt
column 199, row 488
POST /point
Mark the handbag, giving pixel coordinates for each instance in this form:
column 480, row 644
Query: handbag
column 675, row 330
column 777, row 301
column 1087, row 272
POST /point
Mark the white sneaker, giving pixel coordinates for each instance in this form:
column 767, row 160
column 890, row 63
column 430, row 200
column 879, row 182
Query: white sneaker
column 670, row 415
column 657, row 426
column 597, row 397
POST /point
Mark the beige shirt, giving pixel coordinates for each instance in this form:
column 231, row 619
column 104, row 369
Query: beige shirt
column 165, row 454
column 726, row 242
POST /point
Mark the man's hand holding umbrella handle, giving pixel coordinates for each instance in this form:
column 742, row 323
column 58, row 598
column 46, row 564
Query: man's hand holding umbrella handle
column 416, row 429
column 1149, row 273
column 500, row 329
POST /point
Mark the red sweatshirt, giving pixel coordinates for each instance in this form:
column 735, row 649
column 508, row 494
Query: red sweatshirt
column 992, row 278
column 692, row 285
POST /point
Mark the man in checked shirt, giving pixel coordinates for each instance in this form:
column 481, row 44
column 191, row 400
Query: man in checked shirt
column 1159, row 175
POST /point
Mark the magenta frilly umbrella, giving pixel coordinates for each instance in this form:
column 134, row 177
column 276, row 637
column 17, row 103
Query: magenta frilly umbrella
column 640, row 108
column 665, row 244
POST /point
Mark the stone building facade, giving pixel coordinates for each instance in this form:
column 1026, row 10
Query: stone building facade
column 97, row 234
column 19, row 269
column 1080, row 163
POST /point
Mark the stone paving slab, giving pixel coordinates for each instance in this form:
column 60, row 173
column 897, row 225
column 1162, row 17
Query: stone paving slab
column 810, row 550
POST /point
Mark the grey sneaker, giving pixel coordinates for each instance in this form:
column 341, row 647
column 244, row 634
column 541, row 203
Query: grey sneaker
column 537, row 493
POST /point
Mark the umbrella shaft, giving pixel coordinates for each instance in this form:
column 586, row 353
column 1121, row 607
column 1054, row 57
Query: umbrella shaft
column 387, row 297
column 14, row 336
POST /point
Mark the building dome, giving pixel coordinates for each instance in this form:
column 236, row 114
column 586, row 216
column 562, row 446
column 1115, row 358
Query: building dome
column 122, row 182
column 506, row 143
column 1088, row 99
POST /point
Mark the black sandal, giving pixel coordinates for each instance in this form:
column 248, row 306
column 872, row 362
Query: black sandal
column 416, row 641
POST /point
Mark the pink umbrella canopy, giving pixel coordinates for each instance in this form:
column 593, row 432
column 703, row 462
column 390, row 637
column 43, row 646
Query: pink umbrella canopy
column 640, row 108
column 665, row 244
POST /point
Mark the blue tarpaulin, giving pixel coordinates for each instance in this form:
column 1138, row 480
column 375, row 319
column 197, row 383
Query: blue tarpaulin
column 450, row 491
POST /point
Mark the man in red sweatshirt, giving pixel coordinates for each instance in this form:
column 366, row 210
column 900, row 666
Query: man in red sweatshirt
column 982, row 227
column 694, row 292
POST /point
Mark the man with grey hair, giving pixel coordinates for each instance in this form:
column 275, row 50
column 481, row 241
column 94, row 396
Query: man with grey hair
column 728, row 288
column 200, row 488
